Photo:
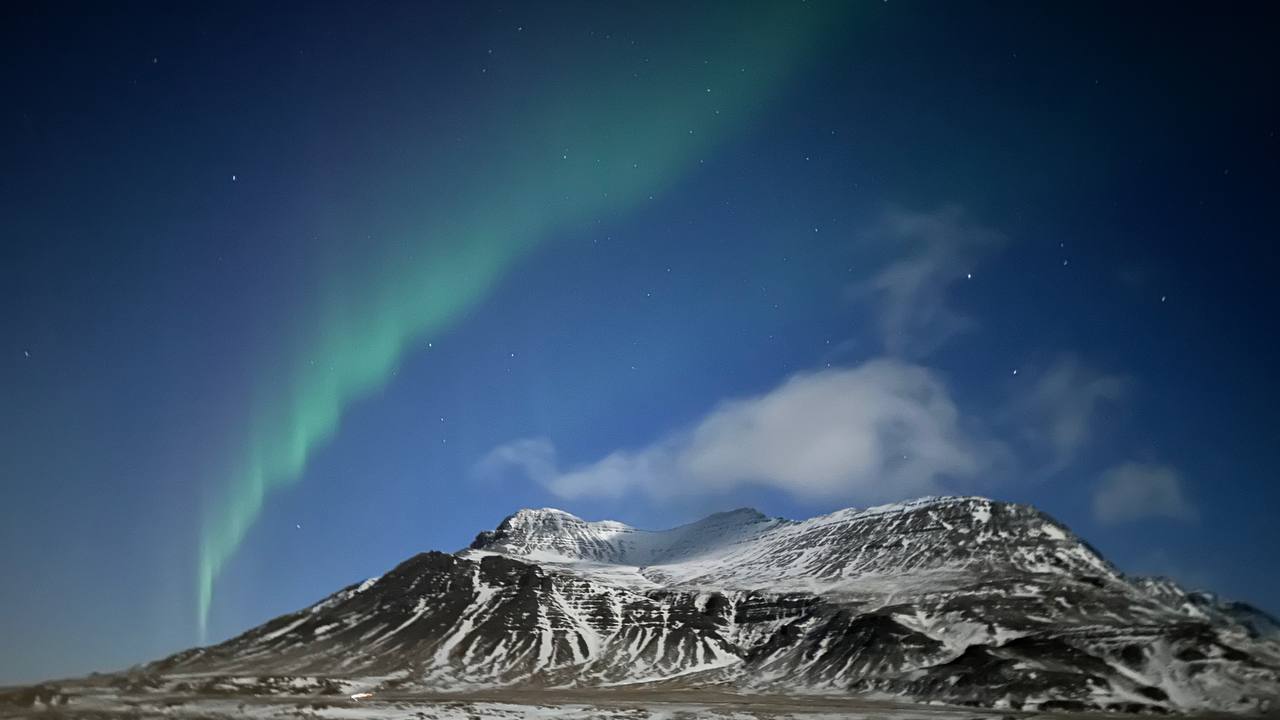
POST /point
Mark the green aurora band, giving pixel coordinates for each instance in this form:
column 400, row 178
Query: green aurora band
column 597, row 142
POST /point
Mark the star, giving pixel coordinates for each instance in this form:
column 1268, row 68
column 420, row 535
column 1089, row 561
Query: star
column 1015, row 371
column 968, row 276
column 26, row 353
column 233, row 178
column 299, row 526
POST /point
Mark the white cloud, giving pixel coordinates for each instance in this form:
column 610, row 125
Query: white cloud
column 882, row 430
column 1132, row 491
column 936, row 250
column 1060, row 411
column 534, row 457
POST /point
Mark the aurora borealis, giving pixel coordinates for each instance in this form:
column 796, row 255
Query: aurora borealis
column 293, row 293
column 572, row 158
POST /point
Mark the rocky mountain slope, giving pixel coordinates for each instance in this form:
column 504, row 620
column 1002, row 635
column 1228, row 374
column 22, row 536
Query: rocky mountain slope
column 955, row 600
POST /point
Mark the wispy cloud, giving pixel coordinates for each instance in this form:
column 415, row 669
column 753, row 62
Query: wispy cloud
column 882, row 430
column 535, row 458
column 1132, row 491
column 1061, row 411
column 934, row 251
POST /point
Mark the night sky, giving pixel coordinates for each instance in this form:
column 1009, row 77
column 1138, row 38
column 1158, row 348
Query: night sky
column 294, row 291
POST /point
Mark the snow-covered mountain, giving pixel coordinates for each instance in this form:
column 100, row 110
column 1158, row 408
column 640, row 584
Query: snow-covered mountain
column 860, row 552
column 960, row 600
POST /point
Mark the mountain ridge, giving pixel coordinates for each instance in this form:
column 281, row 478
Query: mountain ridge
column 819, row 554
column 961, row 600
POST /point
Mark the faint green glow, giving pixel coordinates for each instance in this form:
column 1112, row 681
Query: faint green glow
column 599, row 142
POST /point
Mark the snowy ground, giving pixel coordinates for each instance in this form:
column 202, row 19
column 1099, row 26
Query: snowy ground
column 100, row 702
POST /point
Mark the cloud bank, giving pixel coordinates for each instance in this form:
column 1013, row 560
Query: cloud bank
column 879, row 431
column 1133, row 491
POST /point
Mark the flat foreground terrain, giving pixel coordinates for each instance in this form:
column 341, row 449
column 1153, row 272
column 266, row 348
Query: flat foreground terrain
column 619, row 704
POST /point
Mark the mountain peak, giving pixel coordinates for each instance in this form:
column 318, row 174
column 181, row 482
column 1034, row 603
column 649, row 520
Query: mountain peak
column 540, row 514
column 962, row 537
column 554, row 535
column 743, row 513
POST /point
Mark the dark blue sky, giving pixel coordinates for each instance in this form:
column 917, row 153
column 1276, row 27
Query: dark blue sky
column 900, row 205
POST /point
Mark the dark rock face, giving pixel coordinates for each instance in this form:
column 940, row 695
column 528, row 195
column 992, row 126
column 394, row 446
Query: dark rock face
column 961, row 600
column 842, row 646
